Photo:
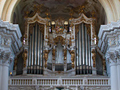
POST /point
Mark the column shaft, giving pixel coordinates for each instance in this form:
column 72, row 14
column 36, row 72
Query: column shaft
column 0, row 76
column 118, row 73
column 4, row 85
column 114, row 82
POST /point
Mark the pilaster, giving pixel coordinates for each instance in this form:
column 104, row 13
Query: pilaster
column 10, row 45
column 4, row 80
column 0, row 73
column 118, row 67
column 109, row 44
column 111, row 56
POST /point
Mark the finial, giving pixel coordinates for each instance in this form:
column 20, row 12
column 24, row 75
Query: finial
column 82, row 9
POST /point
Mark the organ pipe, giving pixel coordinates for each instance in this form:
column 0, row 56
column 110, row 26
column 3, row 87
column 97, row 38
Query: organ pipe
column 35, row 51
column 79, row 52
column 83, row 43
column 83, row 60
column 32, row 47
column 86, row 45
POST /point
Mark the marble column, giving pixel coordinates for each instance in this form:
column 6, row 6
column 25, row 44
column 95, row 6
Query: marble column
column 113, row 69
column 0, row 73
column 109, row 42
column 118, row 73
column 4, row 80
column 114, row 83
column 9, row 47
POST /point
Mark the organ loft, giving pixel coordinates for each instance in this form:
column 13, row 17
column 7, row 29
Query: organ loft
column 59, row 45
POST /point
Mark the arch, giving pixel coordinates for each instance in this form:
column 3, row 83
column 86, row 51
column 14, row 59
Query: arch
column 8, row 8
column 111, row 8
column 2, row 2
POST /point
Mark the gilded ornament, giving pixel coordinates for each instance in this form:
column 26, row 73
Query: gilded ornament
column 65, row 54
column 72, row 52
column 94, row 57
column 46, row 57
column 88, row 29
column 24, row 55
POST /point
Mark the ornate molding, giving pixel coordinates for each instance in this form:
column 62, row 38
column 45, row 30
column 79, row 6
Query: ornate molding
column 97, row 88
column 21, row 88
column 82, row 19
column 72, row 52
column 46, row 57
column 109, row 36
column 61, row 39
column 111, row 57
column 10, row 42
column 117, row 52
column 36, row 18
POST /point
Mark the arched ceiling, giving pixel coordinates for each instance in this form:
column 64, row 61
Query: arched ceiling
column 59, row 9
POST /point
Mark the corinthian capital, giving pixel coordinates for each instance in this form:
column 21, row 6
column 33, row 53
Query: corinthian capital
column 111, row 57
column 4, row 56
column 118, row 56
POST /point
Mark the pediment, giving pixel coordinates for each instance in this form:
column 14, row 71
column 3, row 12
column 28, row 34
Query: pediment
column 82, row 19
column 37, row 18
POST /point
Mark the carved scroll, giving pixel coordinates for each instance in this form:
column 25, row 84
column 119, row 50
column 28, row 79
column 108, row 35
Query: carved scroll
column 46, row 57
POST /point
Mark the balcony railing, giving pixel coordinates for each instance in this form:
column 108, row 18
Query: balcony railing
column 59, row 81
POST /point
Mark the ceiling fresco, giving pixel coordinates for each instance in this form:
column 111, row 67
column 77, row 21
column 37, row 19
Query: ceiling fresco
column 59, row 9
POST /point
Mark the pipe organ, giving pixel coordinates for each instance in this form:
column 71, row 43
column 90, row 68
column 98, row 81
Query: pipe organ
column 83, row 50
column 61, row 46
column 35, row 55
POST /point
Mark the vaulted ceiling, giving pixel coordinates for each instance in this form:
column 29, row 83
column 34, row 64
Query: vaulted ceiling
column 59, row 8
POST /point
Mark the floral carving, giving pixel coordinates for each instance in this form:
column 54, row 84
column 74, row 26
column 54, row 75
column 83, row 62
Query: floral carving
column 111, row 56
